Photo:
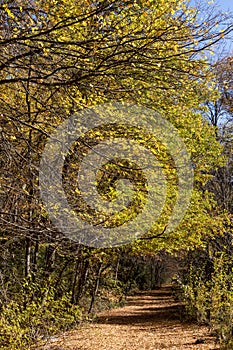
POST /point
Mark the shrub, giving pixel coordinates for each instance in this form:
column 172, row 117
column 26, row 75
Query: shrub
column 22, row 324
column 211, row 301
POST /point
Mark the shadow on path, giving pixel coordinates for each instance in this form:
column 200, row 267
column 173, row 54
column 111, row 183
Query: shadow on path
column 145, row 308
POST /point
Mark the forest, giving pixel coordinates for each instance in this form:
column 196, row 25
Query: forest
column 76, row 78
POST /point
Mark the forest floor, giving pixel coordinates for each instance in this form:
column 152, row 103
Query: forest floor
column 149, row 321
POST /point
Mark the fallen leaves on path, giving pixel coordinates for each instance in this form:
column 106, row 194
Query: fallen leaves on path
column 149, row 321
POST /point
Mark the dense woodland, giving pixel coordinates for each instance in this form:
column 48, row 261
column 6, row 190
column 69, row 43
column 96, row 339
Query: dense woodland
column 58, row 57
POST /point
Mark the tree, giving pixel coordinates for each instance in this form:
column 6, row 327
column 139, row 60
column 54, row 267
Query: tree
column 208, row 270
column 219, row 113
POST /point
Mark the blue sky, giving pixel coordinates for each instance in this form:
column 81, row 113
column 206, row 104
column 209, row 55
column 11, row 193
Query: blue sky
column 225, row 4
column 226, row 46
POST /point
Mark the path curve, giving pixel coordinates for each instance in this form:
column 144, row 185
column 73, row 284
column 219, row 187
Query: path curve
column 149, row 321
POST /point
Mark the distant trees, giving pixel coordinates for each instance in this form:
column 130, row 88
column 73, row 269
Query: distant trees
column 207, row 281
column 220, row 115
column 220, row 111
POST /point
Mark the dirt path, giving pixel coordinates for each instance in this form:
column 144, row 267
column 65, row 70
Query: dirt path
column 149, row 321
